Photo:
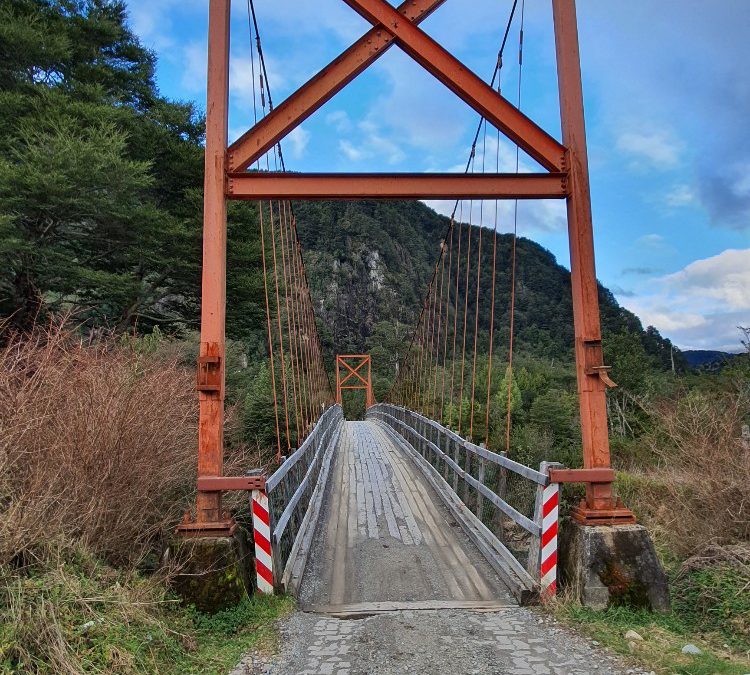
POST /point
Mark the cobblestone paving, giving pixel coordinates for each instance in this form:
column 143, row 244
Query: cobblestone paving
column 514, row 641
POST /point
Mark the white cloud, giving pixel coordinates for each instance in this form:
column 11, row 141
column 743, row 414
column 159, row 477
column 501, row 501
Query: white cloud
column 298, row 140
column 656, row 149
column 654, row 241
column 371, row 144
column 194, row 57
column 700, row 306
column 339, row 120
column 350, row 152
column 724, row 277
column 241, row 79
column 679, row 196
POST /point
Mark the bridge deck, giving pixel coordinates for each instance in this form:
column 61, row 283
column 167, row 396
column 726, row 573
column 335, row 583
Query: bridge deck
column 385, row 538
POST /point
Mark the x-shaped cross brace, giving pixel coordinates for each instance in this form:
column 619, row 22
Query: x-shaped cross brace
column 353, row 372
column 400, row 26
column 353, row 363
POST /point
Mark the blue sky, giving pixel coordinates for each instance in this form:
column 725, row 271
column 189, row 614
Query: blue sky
column 667, row 96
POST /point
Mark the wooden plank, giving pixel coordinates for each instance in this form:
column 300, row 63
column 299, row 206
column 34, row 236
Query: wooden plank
column 372, row 520
column 341, row 530
column 388, row 512
column 351, row 521
column 464, row 571
column 430, row 533
column 400, row 498
column 500, row 558
column 363, row 609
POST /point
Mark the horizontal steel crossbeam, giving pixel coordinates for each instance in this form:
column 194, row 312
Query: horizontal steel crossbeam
column 396, row 186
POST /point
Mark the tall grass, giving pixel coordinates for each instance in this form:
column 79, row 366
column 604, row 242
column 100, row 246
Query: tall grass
column 700, row 492
column 97, row 465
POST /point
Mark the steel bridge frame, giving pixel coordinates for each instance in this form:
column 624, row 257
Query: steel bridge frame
column 348, row 367
column 566, row 177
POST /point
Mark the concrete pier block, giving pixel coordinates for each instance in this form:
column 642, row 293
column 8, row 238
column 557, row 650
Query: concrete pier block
column 606, row 565
column 214, row 572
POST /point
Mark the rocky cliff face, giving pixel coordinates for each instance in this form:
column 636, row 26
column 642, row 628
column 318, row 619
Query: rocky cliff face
column 369, row 264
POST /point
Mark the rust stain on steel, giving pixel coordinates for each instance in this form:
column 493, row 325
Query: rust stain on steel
column 213, row 295
column 210, row 483
column 586, row 317
column 581, row 475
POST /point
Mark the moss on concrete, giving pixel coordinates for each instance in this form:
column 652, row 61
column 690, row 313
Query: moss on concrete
column 214, row 571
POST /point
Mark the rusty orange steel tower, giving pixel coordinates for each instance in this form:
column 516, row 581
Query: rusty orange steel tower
column 564, row 176
column 348, row 369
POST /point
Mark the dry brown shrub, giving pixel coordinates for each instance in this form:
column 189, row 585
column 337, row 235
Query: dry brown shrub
column 97, row 444
column 704, row 478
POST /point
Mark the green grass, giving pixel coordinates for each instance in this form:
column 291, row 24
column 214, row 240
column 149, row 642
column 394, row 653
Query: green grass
column 76, row 614
column 724, row 650
column 223, row 638
column 710, row 609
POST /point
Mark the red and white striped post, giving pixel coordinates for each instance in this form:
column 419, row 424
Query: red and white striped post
column 262, row 538
column 548, row 544
column 542, row 564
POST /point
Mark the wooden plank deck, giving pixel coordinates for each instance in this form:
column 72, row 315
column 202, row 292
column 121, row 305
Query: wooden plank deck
column 385, row 537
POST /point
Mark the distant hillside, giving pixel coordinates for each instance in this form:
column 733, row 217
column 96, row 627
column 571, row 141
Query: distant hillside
column 708, row 360
column 702, row 357
column 369, row 264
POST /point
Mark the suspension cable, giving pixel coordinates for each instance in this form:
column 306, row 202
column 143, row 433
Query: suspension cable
column 304, row 378
column 513, row 252
column 403, row 372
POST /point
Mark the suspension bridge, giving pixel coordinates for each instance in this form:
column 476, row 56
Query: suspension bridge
column 417, row 506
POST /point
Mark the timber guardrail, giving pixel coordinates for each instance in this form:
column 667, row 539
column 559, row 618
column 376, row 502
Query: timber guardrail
column 294, row 494
column 519, row 538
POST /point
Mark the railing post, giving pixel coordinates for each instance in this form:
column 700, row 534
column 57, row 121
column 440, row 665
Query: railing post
column 262, row 538
column 480, row 498
column 455, row 459
column 502, row 492
column 467, row 469
column 542, row 562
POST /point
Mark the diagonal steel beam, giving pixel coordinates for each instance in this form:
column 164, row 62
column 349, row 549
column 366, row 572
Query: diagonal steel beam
column 254, row 143
column 462, row 81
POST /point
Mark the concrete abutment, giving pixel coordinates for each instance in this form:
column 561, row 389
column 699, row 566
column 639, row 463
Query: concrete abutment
column 607, row 565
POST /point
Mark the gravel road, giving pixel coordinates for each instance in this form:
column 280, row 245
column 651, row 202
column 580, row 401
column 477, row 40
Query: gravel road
column 512, row 641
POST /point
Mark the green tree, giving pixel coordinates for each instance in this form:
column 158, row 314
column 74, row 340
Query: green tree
column 95, row 167
column 555, row 411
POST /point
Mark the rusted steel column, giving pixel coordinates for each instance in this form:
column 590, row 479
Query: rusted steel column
column 213, row 308
column 591, row 373
column 338, row 380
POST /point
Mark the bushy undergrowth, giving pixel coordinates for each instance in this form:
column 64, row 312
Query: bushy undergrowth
column 74, row 614
column 97, row 444
column 97, row 465
column 691, row 483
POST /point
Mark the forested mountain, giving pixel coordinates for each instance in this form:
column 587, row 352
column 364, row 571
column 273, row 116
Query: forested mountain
column 370, row 263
